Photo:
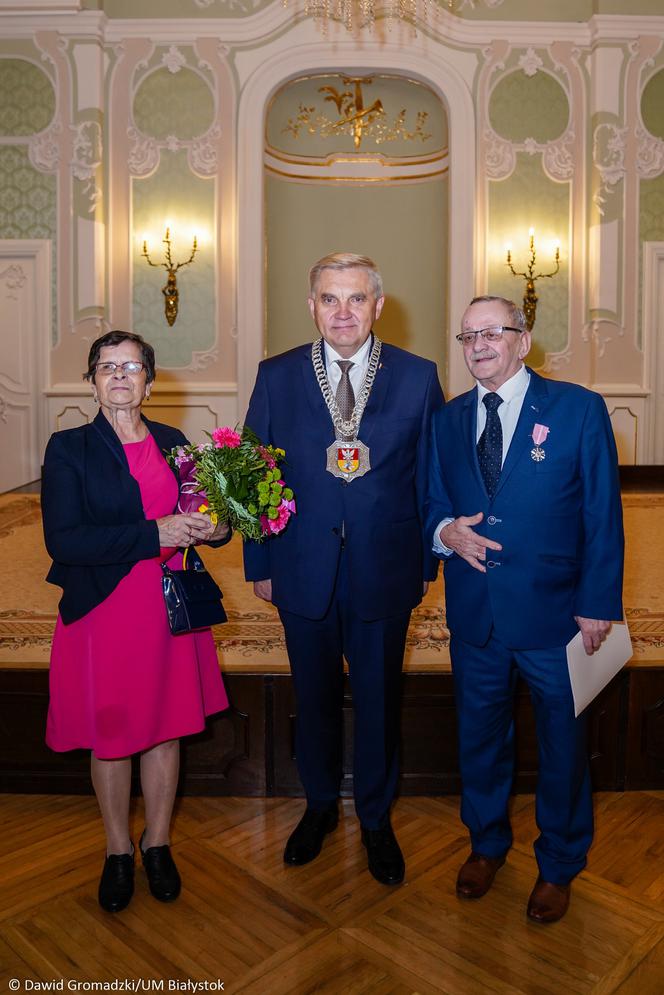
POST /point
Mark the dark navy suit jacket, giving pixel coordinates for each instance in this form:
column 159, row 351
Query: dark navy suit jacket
column 94, row 525
column 559, row 520
column 381, row 511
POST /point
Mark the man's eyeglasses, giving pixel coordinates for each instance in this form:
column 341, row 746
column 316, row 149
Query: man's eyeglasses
column 492, row 334
column 108, row 369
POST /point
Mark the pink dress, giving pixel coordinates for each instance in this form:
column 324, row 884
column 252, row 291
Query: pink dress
column 119, row 681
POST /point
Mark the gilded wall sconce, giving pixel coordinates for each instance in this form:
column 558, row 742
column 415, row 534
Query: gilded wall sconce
column 170, row 288
column 530, row 297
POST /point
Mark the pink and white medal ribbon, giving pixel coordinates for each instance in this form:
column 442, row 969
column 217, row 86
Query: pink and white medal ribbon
column 539, row 435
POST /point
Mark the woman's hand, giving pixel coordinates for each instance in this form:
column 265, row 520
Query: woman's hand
column 186, row 530
column 221, row 531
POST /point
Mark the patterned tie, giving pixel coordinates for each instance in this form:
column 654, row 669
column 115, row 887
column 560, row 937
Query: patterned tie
column 490, row 445
column 345, row 394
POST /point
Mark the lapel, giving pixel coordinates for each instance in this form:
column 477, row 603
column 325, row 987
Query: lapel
column 469, row 428
column 534, row 403
column 378, row 394
column 105, row 430
column 312, row 391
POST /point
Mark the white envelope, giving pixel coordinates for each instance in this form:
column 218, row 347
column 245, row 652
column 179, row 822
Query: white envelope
column 589, row 674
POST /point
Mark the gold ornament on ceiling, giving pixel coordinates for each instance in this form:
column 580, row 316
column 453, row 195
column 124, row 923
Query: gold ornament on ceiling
column 354, row 118
column 362, row 13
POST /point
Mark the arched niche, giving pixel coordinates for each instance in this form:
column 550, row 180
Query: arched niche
column 358, row 163
column 418, row 62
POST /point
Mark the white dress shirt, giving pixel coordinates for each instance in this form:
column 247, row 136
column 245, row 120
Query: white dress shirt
column 358, row 370
column 512, row 392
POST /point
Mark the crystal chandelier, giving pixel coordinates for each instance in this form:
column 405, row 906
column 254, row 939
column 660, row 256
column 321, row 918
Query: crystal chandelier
column 362, row 13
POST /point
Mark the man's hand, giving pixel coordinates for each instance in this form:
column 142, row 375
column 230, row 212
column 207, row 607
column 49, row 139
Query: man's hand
column 470, row 546
column 594, row 631
column 263, row 589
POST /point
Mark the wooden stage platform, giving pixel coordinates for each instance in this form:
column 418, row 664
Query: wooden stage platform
column 249, row 750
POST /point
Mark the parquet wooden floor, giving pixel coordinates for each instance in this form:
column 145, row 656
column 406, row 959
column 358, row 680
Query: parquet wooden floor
column 260, row 928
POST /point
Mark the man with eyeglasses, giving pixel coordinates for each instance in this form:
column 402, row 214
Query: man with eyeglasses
column 524, row 509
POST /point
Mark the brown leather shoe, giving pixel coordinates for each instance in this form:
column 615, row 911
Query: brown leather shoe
column 477, row 874
column 548, row 902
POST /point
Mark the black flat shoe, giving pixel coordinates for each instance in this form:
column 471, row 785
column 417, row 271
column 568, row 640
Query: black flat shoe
column 386, row 861
column 161, row 872
column 116, row 885
column 305, row 842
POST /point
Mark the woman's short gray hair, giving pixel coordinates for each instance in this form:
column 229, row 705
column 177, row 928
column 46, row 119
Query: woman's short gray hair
column 346, row 260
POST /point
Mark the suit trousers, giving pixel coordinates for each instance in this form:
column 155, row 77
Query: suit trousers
column 374, row 651
column 484, row 682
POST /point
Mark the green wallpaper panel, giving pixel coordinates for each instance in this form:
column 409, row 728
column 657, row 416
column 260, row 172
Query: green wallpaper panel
column 27, row 98
column 179, row 104
column 652, row 103
column 404, row 228
column 173, row 193
column 28, row 207
column 529, row 198
column 517, row 104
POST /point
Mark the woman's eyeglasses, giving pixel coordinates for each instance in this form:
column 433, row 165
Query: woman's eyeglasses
column 108, row 369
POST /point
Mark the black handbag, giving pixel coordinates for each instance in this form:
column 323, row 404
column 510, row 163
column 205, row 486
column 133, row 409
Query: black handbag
column 193, row 600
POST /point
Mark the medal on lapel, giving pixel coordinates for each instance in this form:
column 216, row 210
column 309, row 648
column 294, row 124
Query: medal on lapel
column 539, row 435
column 347, row 457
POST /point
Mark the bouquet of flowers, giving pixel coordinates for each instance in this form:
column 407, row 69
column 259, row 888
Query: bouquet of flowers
column 236, row 479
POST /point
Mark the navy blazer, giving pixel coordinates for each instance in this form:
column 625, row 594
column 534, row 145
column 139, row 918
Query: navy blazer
column 381, row 511
column 94, row 525
column 559, row 519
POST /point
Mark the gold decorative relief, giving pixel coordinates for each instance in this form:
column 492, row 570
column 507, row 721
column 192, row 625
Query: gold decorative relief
column 354, row 118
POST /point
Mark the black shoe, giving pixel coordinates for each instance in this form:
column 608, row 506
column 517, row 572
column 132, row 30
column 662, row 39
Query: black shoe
column 305, row 842
column 386, row 861
column 162, row 874
column 116, row 885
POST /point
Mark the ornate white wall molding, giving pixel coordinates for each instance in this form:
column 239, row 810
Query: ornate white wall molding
column 86, row 159
column 44, row 149
column 653, row 351
column 649, row 154
column 143, row 156
column 12, row 280
column 558, row 157
column 499, row 156
column 555, row 361
column 174, row 60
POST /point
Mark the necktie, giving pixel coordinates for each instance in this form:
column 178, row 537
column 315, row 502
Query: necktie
column 490, row 445
column 345, row 394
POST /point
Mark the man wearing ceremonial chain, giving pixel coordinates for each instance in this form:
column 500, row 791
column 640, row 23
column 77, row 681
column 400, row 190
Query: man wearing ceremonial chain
column 353, row 415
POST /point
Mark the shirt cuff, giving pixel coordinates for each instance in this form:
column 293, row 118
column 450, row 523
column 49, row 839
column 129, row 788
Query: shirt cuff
column 438, row 546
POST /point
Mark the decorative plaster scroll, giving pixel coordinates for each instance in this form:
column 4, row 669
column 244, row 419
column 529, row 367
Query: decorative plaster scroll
column 14, row 279
column 530, row 62
column 554, row 361
column 87, row 155
column 558, row 159
column 174, row 60
column 649, row 154
column 591, row 330
column 500, row 156
column 143, row 155
column 44, row 149
column 202, row 156
column 201, row 360
column 609, row 145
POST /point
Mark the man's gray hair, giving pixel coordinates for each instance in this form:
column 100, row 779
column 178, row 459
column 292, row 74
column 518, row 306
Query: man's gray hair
column 346, row 260
column 517, row 316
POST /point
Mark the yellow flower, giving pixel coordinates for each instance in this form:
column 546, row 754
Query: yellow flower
column 214, row 518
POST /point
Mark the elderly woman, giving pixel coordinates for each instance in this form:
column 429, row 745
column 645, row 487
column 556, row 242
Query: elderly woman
column 120, row 683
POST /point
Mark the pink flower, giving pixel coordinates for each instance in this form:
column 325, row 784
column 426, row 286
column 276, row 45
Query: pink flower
column 226, row 437
column 266, row 456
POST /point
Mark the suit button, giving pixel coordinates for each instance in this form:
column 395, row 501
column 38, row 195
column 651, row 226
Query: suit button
column 492, row 520
column 492, row 563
